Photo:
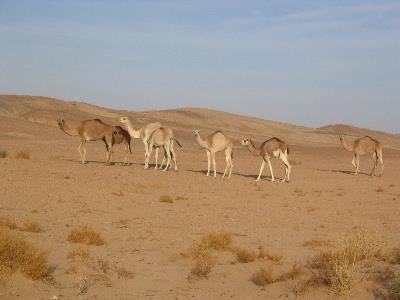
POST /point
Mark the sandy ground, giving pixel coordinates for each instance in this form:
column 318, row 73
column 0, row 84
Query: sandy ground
column 146, row 237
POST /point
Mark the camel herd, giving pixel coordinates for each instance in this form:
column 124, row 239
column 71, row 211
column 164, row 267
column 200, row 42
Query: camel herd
column 156, row 136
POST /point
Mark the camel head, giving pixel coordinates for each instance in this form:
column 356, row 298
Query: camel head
column 61, row 123
column 341, row 137
column 245, row 142
column 196, row 132
column 124, row 120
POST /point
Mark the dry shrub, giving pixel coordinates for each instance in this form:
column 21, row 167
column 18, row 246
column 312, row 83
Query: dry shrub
column 83, row 285
column 203, row 263
column 263, row 277
column 337, row 267
column 217, row 241
column 394, row 288
column 166, row 199
column 124, row 273
column 23, row 154
column 31, row 226
column 395, row 256
column 318, row 244
column 296, row 271
column 79, row 254
column 3, row 154
column 244, row 255
column 7, row 222
column 264, row 254
column 181, row 198
column 85, row 234
column 379, row 189
column 302, row 287
column 18, row 254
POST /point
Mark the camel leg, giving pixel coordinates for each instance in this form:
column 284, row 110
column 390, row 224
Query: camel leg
column 146, row 164
column 353, row 162
column 227, row 164
column 156, row 154
column 167, row 149
column 357, row 164
column 375, row 158
column 261, row 170
column 174, row 157
column 285, row 161
column 84, row 152
column 270, row 169
column 231, row 164
column 146, row 153
column 213, row 161
column 381, row 161
column 208, row 162
column 80, row 152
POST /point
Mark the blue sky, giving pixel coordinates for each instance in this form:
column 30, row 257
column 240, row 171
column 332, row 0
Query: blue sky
column 305, row 62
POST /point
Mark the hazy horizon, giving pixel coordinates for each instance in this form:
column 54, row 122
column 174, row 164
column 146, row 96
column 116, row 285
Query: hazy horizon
column 298, row 62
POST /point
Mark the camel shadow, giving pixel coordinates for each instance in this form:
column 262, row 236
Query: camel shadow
column 204, row 172
column 113, row 163
column 343, row 172
column 263, row 177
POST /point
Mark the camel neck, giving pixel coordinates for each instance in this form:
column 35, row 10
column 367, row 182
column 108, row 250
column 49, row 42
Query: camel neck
column 253, row 150
column 132, row 131
column 200, row 141
column 349, row 146
column 68, row 130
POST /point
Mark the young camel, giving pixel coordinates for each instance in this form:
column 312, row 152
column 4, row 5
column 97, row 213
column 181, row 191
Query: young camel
column 143, row 133
column 271, row 148
column 163, row 137
column 216, row 142
column 361, row 146
column 95, row 130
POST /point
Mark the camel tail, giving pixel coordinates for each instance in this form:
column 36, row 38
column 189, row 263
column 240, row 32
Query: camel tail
column 129, row 146
column 179, row 144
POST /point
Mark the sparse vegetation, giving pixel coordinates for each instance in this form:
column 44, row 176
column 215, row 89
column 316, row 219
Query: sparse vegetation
column 395, row 256
column 31, row 226
column 203, row 264
column 7, row 222
column 179, row 198
column 394, row 287
column 244, row 255
column 264, row 254
column 18, row 254
column 263, row 277
column 380, row 189
column 318, row 244
column 295, row 272
column 86, row 235
column 3, row 154
column 166, row 199
column 337, row 267
column 217, row 241
column 23, row 154
column 304, row 286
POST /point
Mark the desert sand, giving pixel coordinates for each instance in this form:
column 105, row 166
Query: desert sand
column 146, row 240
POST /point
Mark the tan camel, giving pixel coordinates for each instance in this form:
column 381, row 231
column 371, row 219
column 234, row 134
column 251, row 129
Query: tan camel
column 361, row 146
column 95, row 130
column 271, row 148
column 216, row 142
column 163, row 137
column 143, row 133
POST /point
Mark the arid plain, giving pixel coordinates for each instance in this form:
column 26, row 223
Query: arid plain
column 149, row 220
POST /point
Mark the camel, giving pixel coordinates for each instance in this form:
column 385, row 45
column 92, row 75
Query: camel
column 95, row 130
column 163, row 137
column 271, row 148
column 143, row 133
column 361, row 146
column 216, row 142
